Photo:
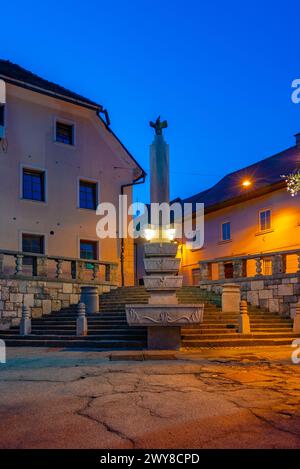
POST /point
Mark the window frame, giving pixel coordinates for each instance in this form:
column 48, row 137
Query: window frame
column 91, row 241
column 93, row 181
column 90, row 182
column 222, row 240
column 34, row 169
column 28, row 260
column 34, row 235
column 265, row 230
column 62, row 120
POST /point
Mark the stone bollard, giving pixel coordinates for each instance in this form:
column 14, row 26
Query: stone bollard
column 81, row 321
column 244, row 322
column 90, row 297
column 25, row 324
column 231, row 297
column 296, row 326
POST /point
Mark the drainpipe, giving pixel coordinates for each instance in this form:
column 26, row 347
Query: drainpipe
column 135, row 182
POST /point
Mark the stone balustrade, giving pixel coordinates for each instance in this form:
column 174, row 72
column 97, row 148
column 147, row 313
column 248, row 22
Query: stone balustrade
column 47, row 283
column 15, row 264
column 240, row 265
column 269, row 280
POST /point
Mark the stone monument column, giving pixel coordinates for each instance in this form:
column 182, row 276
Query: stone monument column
column 163, row 316
column 159, row 170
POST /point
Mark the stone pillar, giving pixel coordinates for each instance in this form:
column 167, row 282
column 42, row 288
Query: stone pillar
column 231, row 298
column 81, row 321
column 238, row 268
column 41, row 266
column 95, row 271
column 278, row 264
column 90, row 297
column 258, row 267
column 298, row 255
column 59, row 270
column 244, row 322
column 205, row 271
column 221, row 269
column 19, row 264
column 2, row 263
column 159, row 170
column 25, row 324
column 296, row 326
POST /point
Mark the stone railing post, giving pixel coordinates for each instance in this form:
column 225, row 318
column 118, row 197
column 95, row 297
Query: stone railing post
column 19, row 264
column 238, row 268
column 90, row 297
column 2, row 256
column 41, row 266
column 221, row 270
column 81, row 321
column 278, row 264
column 80, row 270
column 205, row 270
column 231, row 298
column 59, row 270
column 296, row 326
column 25, row 324
column 244, row 322
column 107, row 272
column 95, row 271
column 258, row 266
column 111, row 273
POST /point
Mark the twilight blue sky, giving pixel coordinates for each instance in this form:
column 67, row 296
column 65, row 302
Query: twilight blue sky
column 220, row 72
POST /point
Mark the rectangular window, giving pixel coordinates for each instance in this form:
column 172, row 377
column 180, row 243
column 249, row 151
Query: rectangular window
column 33, row 243
column 88, row 195
column 65, row 133
column 88, row 249
column 226, row 231
column 33, row 185
column 265, row 220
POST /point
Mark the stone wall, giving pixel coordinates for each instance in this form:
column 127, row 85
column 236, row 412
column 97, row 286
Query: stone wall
column 276, row 293
column 42, row 297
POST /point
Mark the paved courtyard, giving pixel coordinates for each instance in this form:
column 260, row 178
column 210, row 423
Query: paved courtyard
column 216, row 398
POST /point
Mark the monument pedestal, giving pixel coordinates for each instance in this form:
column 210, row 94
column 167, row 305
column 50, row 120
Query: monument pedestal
column 163, row 338
column 163, row 316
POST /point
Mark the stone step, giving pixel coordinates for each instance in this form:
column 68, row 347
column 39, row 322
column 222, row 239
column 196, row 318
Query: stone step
column 73, row 342
column 213, row 337
column 98, row 332
column 245, row 342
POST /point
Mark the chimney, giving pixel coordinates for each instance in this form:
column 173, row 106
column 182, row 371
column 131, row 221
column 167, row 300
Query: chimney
column 297, row 137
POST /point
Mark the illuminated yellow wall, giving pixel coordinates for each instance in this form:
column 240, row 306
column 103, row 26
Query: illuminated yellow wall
column 246, row 238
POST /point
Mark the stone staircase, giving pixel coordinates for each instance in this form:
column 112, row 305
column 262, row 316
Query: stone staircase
column 108, row 330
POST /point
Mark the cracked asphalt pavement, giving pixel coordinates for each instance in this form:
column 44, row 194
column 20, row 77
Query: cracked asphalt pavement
column 211, row 398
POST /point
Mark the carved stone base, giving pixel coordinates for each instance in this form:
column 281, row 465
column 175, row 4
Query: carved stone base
column 164, row 315
column 163, row 338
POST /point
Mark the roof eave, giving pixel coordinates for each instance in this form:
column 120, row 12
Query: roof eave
column 37, row 89
column 245, row 197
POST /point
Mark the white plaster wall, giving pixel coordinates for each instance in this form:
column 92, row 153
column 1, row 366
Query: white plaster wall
column 30, row 120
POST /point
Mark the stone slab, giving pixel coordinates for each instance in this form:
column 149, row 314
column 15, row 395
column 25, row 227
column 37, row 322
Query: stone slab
column 164, row 338
column 164, row 315
column 160, row 249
